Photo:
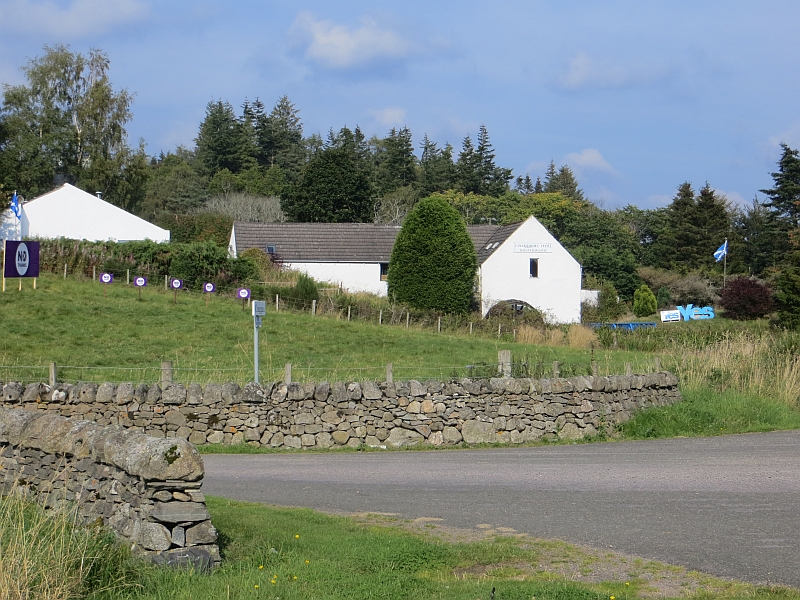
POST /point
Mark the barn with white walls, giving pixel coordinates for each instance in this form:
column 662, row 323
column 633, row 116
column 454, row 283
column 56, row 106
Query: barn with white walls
column 521, row 262
column 71, row 213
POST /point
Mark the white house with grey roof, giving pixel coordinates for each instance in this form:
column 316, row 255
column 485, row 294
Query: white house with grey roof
column 522, row 262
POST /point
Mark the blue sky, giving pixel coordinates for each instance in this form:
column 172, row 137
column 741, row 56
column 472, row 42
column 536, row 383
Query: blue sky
column 636, row 96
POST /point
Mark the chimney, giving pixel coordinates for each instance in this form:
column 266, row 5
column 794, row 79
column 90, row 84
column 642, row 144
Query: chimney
column 99, row 195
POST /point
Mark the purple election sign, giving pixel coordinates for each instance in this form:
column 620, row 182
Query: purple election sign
column 209, row 288
column 176, row 284
column 21, row 259
column 243, row 293
column 140, row 281
column 106, row 277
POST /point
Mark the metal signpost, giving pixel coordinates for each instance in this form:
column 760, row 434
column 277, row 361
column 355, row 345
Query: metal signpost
column 259, row 310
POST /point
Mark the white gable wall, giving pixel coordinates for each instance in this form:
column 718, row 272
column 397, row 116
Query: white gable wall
column 353, row 277
column 71, row 213
column 505, row 275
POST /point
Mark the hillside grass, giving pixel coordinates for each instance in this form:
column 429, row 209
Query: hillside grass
column 116, row 337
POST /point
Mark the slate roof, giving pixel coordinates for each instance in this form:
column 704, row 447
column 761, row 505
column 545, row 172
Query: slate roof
column 346, row 242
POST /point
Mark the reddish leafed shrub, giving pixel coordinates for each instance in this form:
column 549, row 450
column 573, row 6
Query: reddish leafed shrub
column 744, row 298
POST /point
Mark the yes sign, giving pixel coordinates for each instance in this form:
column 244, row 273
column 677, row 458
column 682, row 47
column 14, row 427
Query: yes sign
column 690, row 312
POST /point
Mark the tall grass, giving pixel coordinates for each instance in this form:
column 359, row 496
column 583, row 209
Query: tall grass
column 45, row 556
column 761, row 364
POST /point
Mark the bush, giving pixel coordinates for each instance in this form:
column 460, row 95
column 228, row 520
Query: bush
column 305, row 289
column 693, row 289
column 746, row 299
column 788, row 296
column 609, row 307
column 644, row 301
column 433, row 262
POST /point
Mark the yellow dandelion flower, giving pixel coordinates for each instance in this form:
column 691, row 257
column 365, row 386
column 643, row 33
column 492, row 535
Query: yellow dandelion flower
column 261, row 567
column 626, row 583
column 297, row 536
column 256, row 587
column 613, row 598
column 294, row 578
column 308, row 561
column 272, row 582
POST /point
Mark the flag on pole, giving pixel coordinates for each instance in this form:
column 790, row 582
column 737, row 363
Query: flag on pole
column 721, row 252
column 15, row 206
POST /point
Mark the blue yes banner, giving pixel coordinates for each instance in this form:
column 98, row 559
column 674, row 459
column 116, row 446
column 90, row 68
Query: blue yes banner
column 21, row 259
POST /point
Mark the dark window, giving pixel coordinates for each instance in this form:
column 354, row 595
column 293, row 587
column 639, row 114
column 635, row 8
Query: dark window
column 384, row 271
column 270, row 249
column 534, row 267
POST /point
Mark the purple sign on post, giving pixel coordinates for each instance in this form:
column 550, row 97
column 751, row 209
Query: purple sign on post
column 140, row 281
column 106, row 277
column 21, row 259
column 176, row 284
column 243, row 293
column 209, row 288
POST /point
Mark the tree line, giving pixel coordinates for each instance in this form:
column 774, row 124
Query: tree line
column 68, row 123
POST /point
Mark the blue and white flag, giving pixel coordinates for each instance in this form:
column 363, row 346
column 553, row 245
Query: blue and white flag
column 721, row 251
column 15, row 206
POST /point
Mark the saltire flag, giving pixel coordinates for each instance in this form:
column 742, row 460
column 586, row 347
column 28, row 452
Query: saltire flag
column 15, row 206
column 721, row 252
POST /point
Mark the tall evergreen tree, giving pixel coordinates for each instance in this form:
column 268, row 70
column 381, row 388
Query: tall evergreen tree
column 524, row 185
column 279, row 137
column 334, row 186
column 224, row 141
column 469, row 169
column 712, row 223
column 396, row 163
column 437, row 171
column 563, row 181
column 760, row 242
column 784, row 197
column 494, row 179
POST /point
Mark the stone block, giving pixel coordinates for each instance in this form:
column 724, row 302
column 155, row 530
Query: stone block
column 277, row 439
column 125, row 393
column 322, row 391
column 175, row 417
column 197, row 438
column 436, row 438
column 292, row 441
column 371, row 391
column 416, row 389
column 212, row 394
column 478, row 432
column 215, row 437
column 304, row 418
column 354, row 391
column 307, row 440
column 201, row 534
column 179, row 512
column 183, row 433
column 570, row 431
column 173, row 393
column 414, row 407
column 323, row 440
column 179, row 536
column 427, row 406
column 451, row 435
column 228, row 392
column 400, row 437
column 340, row 437
column 295, row 391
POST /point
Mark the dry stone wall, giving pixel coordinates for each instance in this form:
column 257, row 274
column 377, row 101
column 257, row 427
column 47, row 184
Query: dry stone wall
column 145, row 489
column 324, row 415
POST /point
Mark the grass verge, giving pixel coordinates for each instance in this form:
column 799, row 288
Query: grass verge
column 299, row 554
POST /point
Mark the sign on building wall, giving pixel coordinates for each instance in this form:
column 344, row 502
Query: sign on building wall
column 21, row 259
column 533, row 247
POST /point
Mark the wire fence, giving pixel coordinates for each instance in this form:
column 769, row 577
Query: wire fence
column 525, row 366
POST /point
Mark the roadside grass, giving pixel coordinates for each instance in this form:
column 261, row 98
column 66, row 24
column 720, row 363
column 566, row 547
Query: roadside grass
column 706, row 412
column 298, row 554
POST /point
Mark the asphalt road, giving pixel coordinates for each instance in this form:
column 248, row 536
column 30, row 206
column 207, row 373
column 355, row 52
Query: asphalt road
column 728, row 505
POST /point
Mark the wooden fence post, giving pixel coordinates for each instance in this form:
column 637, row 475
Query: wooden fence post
column 439, row 326
column 65, row 270
column 658, row 364
column 166, row 371
column 595, row 369
column 348, row 312
column 94, row 272
column 277, row 303
column 470, row 327
column 313, row 308
column 389, row 373
column 380, row 317
column 556, row 370
column 287, row 374
column 628, row 369
column 53, row 375
column 128, row 272
column 408, row 318
column 504, row 362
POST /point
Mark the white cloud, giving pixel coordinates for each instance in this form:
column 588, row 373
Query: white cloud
column 79, row 18
column 790, row 136
column 391, row 116
column 586, row 72
column 734, row 198
column 337, row 47
column 588, row 159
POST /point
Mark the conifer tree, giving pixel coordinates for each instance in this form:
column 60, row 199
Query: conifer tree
column 437, row 171
column 224, row 141
column 784, row 197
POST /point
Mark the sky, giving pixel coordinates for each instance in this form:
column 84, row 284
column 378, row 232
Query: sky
column 636, row 96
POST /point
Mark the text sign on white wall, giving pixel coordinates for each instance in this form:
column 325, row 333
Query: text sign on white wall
column 533, row 247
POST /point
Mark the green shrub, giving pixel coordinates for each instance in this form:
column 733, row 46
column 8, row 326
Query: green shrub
column 644, row 301
column 305, row 288
column 788, row 296
column 663, row 298
column 433, row 262
column 609, row 306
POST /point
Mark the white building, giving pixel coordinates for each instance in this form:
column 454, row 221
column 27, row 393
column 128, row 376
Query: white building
column 71, row 213
column 522, row 262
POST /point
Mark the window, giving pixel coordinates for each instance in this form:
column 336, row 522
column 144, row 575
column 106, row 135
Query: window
column 384, row 271
column 534, row 267
column 270, row 249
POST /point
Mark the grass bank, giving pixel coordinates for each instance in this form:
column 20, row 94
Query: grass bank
column 299, row 554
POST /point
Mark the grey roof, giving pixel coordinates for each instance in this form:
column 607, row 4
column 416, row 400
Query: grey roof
column 346, row 242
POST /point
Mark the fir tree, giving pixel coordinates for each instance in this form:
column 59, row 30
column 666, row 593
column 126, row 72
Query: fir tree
column 437, row 171
column 784, row 197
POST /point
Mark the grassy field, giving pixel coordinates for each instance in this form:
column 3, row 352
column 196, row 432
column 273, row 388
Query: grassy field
column 295, row 554
column 116, row 337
